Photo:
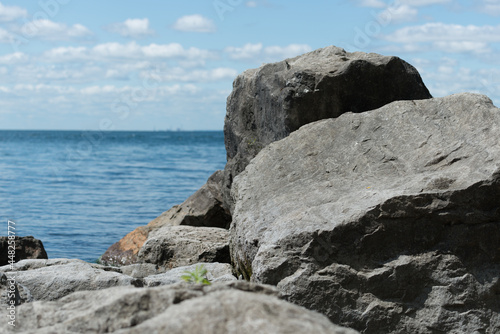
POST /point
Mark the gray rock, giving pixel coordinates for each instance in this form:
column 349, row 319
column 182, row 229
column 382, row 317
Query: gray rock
column 217, row 272
column 12, row 293
column 176, row 246
column 270, row 102
column 52, row 279
column 386, row 221
column 25, row 248
column 203, row 208
column 30, row 264
column 236, row 307
column 238, row 312
column 140, row 270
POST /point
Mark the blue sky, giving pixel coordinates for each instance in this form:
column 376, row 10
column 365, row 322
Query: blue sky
column 164, row 65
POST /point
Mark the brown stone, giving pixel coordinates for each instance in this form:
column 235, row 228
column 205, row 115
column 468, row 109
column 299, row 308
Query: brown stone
column 26, row 248
column 124, row 252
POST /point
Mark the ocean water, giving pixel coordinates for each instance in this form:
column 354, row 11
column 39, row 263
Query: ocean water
column 79, row 192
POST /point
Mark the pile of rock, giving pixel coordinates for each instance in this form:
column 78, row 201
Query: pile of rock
column 349, row 191
column 387, row 221
column 237, row 307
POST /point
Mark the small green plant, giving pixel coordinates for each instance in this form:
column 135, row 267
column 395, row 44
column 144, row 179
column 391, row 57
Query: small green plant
column 199, row 275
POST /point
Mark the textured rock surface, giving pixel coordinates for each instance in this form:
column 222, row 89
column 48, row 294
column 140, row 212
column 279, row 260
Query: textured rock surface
column 386, row 221
column 203, row 208
column 217, row 272
column 139, row 270
column 236, row 307
column 270, row 102
column 53, row 279
column 124, row 251
column 176, row 246
column 26, row 248
column 11, row 292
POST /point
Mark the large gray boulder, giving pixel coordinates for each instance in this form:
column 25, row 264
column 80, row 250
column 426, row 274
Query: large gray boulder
column 203, row 208
column 236, row 307
column 270, row 102
column 386, row 221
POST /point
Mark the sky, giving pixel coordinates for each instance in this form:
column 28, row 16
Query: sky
column 159, row 65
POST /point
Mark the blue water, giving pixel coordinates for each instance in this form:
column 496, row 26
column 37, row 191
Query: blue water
column 79, row 192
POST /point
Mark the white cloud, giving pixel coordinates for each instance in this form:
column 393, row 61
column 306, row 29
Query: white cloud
column 180, row 74
column 248, row 51
column 153, row 94
column 93, row 90
column 292, row 50
column 134, row 28
column 5, row 36
column 461, row 46
column 72, row 72
column 117, row 50
column 258, row 53
column 447, row 76
column 43, row 88
column 113, row 61
column 438, row 32
column 69, row 53
column 403, row 13
column 223, row 73
column 448, row 38
column 251, row 4
column 175, row 50
column 50, row 30
column 400, row 10
column 11, row 13
column 14, row 58
column 194, row 23
column 36, row 73
column 134, row 50
column 491, row 7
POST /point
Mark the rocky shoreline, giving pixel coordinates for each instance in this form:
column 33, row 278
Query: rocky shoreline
column 352, row 202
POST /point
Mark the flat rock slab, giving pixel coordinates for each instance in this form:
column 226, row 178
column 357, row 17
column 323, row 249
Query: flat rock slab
column 54, row 279
column 386, row 221
column 236, row 307
column 272, row 101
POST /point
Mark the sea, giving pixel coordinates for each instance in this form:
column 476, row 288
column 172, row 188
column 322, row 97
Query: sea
column 81, row 191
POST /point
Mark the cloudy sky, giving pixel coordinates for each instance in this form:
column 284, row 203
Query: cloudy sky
column 160, row 65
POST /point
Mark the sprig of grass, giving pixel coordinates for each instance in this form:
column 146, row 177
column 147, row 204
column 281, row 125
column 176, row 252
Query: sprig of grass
column 199, row 275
